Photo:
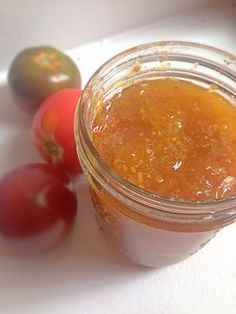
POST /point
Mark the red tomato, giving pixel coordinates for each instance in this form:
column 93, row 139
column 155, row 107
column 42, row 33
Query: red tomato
column 37, row 208
column 53, row 130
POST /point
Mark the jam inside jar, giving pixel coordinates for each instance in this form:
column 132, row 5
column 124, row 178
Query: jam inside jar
column 156, row 136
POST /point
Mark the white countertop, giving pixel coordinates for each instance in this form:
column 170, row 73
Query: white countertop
column 84, row 275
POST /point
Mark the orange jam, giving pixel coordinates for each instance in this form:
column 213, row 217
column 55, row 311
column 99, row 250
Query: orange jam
column 170, row 137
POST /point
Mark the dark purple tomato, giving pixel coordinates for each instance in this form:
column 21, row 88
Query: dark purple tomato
column 37, row 72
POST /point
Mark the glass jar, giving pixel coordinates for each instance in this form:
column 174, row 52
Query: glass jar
column 146, row 228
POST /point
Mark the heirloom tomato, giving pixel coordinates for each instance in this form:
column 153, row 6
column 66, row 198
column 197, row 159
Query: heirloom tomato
column 37, row 72
column 37, row 208
column 53, row 130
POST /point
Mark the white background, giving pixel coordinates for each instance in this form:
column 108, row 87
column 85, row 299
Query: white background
column 84, row 275
column 69, row 23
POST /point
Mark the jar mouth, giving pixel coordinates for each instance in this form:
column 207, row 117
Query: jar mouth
column 215, row 60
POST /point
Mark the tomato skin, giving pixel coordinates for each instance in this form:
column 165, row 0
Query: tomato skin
column 37, row 208
column 53, row 130
column 37, row 72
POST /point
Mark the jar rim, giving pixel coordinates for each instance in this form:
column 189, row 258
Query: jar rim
column 115, row 183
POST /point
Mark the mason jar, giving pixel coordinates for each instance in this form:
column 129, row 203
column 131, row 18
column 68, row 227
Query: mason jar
column 147, row 228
